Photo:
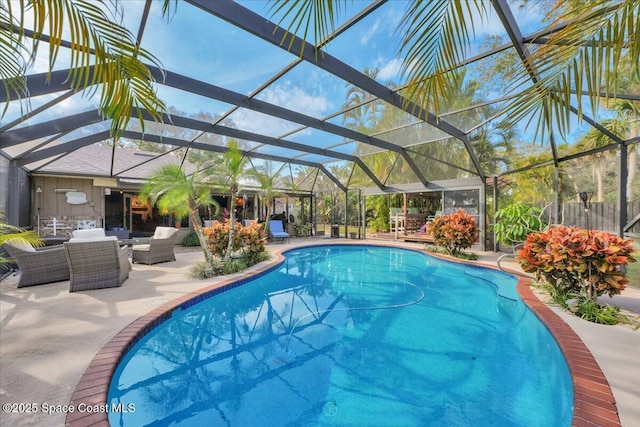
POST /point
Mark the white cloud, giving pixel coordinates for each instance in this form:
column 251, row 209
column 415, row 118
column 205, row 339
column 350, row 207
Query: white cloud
column 528, row 19
column 294, row 98
column 286, row 96
column 390, row 71
column 364, row 39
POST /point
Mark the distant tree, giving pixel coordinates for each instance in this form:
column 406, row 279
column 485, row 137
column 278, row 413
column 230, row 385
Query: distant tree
column 363, row 112
column 269, row 179
column 493, row 146
column 596, row 139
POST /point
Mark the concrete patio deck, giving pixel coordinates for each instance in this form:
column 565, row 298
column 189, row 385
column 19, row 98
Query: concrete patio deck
column 49, row 336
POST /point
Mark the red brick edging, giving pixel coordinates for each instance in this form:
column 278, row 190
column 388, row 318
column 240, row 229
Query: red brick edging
column 594, row 404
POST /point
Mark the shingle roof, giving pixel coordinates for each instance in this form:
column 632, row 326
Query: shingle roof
column 95, row 160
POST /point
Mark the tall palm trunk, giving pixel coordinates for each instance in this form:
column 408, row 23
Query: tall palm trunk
column 633, row 157
column 600, row 181
column 232, row 221
column 194, row 215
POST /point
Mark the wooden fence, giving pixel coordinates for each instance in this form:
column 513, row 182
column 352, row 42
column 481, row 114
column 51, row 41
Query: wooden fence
column 602, row 215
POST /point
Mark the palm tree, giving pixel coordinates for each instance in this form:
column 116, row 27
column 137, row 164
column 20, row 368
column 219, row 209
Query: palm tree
column 268, row 178
column 232, row 165
column 105, row 54
column 596, row 139
column 493, row 146
column 175, row 191
column 364, row 112
column 630, row 111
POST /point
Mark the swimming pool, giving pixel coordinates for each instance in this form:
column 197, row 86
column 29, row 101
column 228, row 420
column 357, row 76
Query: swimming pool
column 350, row 335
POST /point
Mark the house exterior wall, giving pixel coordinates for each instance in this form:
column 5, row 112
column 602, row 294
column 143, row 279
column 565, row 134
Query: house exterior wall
column 53, row 215
column 14, row 193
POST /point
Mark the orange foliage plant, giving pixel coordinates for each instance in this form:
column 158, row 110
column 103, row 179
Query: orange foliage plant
column 573, row 259
column 454, row 232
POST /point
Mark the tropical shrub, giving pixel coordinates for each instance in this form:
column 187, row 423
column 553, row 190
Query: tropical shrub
column 578, row 263
column 514, row 222
column 251, row 238
column 303, row 230
column 254, row 238
column 205, row 269
column 454, row 232
column 191, row 239
column 218, row 237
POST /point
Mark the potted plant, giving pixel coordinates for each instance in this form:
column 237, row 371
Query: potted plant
column 515, row 222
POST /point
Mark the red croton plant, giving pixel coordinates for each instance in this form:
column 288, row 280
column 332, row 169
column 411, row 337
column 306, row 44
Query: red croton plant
column 574, row 259
column 454, row 232
column 252, row 238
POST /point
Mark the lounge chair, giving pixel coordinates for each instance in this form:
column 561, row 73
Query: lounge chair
column 38, row 266
column 277, row 231
column 159, row 248
column 96, row 264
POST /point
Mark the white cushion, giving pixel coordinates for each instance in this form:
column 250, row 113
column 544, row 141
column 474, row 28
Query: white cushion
column 163, row 232
column 22, row 245
column 92, row 239
column 144, row 248
column 89, row 233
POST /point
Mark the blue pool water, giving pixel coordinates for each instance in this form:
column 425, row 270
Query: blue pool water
column 350, row 336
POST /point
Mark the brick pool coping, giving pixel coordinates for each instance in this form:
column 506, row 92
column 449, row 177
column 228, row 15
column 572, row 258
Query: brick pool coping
column 594, row 404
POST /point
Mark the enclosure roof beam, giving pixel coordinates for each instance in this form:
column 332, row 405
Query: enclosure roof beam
column 255, row 24
column 263, row 139
column 52, row 127
column 63, row 148
column 217, row 149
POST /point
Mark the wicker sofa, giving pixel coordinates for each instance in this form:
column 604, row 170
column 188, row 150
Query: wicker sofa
column 159, row 248
column 90, row 234
column 38, row 266
column 96, row 264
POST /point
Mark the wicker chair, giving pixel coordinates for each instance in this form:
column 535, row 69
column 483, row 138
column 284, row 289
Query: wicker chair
column 38, row 266
column 159, row 248
column 97, row 264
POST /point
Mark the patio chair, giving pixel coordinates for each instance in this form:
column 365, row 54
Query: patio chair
column 38, row 266
column 96, row 264
column 159, row 248
column 276, row 230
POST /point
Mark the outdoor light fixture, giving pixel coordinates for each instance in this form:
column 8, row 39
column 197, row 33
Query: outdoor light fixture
column 584, row 196
column 39, row 190
column 64, row 190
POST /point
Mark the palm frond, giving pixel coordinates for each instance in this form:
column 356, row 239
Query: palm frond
column 584, row 55
column 11, row 233
column 302, row 15
column 435, row 37
column 12, row 66
column 104, row 54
